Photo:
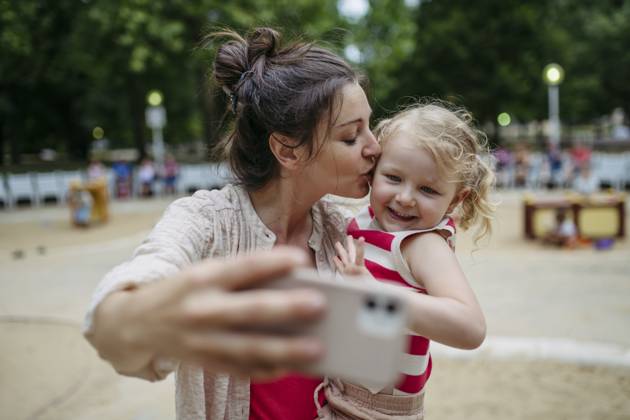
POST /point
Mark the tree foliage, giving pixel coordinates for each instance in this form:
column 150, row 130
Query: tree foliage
column 67, row 66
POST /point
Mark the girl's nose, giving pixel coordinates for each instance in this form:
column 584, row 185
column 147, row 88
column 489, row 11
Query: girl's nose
column 404, row 198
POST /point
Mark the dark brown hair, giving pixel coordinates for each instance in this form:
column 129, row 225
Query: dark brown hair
column 275, row 89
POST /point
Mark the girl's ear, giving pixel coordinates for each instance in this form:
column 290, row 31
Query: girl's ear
column 459, row 197
column 286, row 151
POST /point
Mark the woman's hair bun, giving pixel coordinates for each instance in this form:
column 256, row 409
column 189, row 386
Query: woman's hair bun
column 238, row 55
column 262, row 42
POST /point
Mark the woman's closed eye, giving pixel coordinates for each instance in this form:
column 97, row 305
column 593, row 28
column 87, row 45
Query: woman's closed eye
column 350, row 142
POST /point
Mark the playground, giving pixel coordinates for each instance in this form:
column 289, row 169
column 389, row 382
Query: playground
column 557, row 342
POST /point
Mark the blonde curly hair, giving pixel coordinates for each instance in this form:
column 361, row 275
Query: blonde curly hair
column 458, row 148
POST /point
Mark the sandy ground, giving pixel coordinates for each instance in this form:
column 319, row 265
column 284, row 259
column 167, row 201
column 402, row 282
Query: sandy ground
column 558, row 346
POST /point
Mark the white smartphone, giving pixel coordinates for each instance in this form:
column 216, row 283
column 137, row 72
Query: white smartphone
column 364, row 329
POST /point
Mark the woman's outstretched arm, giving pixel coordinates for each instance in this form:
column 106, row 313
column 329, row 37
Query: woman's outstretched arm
column 205, row 315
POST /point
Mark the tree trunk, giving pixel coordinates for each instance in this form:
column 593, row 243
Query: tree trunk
column 77, row 138
column 2, row 142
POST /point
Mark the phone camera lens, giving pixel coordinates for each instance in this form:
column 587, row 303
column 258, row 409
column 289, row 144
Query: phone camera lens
column 370, row 303
column 392, row 307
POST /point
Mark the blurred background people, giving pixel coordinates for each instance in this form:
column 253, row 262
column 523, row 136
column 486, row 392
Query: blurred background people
column 95, row 170
column 564, row 232
column 122, row 178
column 170, row 173
column 586, row 182
column 146, row 176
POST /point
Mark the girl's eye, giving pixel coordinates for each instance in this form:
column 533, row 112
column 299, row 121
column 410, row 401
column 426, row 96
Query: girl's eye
column 350, row 142
column 393, row 178
column 428, row 190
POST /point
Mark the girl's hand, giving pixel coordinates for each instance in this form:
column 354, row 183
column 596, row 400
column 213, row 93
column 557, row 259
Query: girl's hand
column 214, row 314
column 349, row 260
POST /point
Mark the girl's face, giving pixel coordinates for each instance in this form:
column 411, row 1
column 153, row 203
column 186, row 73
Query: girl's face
column 346, row 157
column 407, row 190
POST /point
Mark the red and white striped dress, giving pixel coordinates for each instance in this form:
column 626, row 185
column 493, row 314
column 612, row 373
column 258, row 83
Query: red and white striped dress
column 385, row 261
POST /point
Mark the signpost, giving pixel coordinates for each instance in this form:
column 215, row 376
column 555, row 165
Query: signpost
column 155, row 116
column 553, row 74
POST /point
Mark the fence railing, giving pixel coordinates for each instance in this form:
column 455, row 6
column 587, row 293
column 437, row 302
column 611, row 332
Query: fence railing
column 37, row 188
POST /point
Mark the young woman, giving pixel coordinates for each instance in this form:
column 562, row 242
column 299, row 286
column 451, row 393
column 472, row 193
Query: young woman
column 301, row 131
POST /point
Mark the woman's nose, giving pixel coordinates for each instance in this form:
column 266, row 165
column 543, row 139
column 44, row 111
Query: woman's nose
column 372, row 149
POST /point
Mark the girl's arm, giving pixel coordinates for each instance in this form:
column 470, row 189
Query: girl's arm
column 450, row 313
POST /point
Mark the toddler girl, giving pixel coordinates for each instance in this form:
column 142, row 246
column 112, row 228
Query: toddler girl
column 430, row 173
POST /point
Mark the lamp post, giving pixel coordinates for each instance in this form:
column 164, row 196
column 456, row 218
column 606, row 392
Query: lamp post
column 553, row 74
column 155, row 116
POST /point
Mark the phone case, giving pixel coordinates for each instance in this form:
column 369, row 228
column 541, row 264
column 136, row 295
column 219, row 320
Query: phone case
column 364, row 329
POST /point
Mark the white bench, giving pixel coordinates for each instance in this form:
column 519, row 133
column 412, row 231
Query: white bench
column 48, row 185
column 21, row 187
column 4, row 193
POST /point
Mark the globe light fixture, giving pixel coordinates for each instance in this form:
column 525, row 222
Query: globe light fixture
column 504, row 119
column 98, row 133
column 553, row 74
column 154, row 98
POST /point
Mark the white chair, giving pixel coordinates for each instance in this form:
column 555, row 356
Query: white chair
column 4, row 193
column 614, row 171
column 47, row 186
column 190, row 179
column 21, row 187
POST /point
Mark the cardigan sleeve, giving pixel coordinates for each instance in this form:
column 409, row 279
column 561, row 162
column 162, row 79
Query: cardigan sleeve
column 180, row 238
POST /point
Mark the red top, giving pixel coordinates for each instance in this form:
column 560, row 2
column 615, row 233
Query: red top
column 287, row 398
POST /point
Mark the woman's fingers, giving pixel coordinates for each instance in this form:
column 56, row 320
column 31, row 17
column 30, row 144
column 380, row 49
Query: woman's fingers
column 342, row 254
column 247, row 271
column 243, row 352
column 340, row 267
column 251, row 308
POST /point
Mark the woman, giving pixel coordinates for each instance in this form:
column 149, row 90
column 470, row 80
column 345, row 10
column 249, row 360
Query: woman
column 301, row 131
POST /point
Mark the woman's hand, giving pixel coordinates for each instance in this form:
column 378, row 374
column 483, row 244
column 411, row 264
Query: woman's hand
column 349, row 260
column 207, row 315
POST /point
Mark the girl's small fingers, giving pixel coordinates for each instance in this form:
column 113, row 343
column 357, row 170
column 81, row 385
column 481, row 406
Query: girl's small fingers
column 361, row 251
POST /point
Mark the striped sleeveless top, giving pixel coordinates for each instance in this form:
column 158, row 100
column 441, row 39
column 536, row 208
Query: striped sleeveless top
column 385, row 262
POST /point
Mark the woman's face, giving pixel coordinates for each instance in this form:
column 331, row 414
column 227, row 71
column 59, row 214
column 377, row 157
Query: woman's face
column 347, row 154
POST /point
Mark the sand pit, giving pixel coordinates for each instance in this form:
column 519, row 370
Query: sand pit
column 527, row 291
column 523, row 390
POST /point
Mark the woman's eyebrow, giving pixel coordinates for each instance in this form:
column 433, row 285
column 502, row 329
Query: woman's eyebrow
column 357, row 120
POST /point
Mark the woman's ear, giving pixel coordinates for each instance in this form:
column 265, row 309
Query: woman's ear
column 459, row 197
column 286, row 151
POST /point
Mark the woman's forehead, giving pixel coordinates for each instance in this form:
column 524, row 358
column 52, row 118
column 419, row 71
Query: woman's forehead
column 352, row 107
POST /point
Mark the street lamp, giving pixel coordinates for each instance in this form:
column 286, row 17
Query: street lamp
column 155, row 116
column 553, row 74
